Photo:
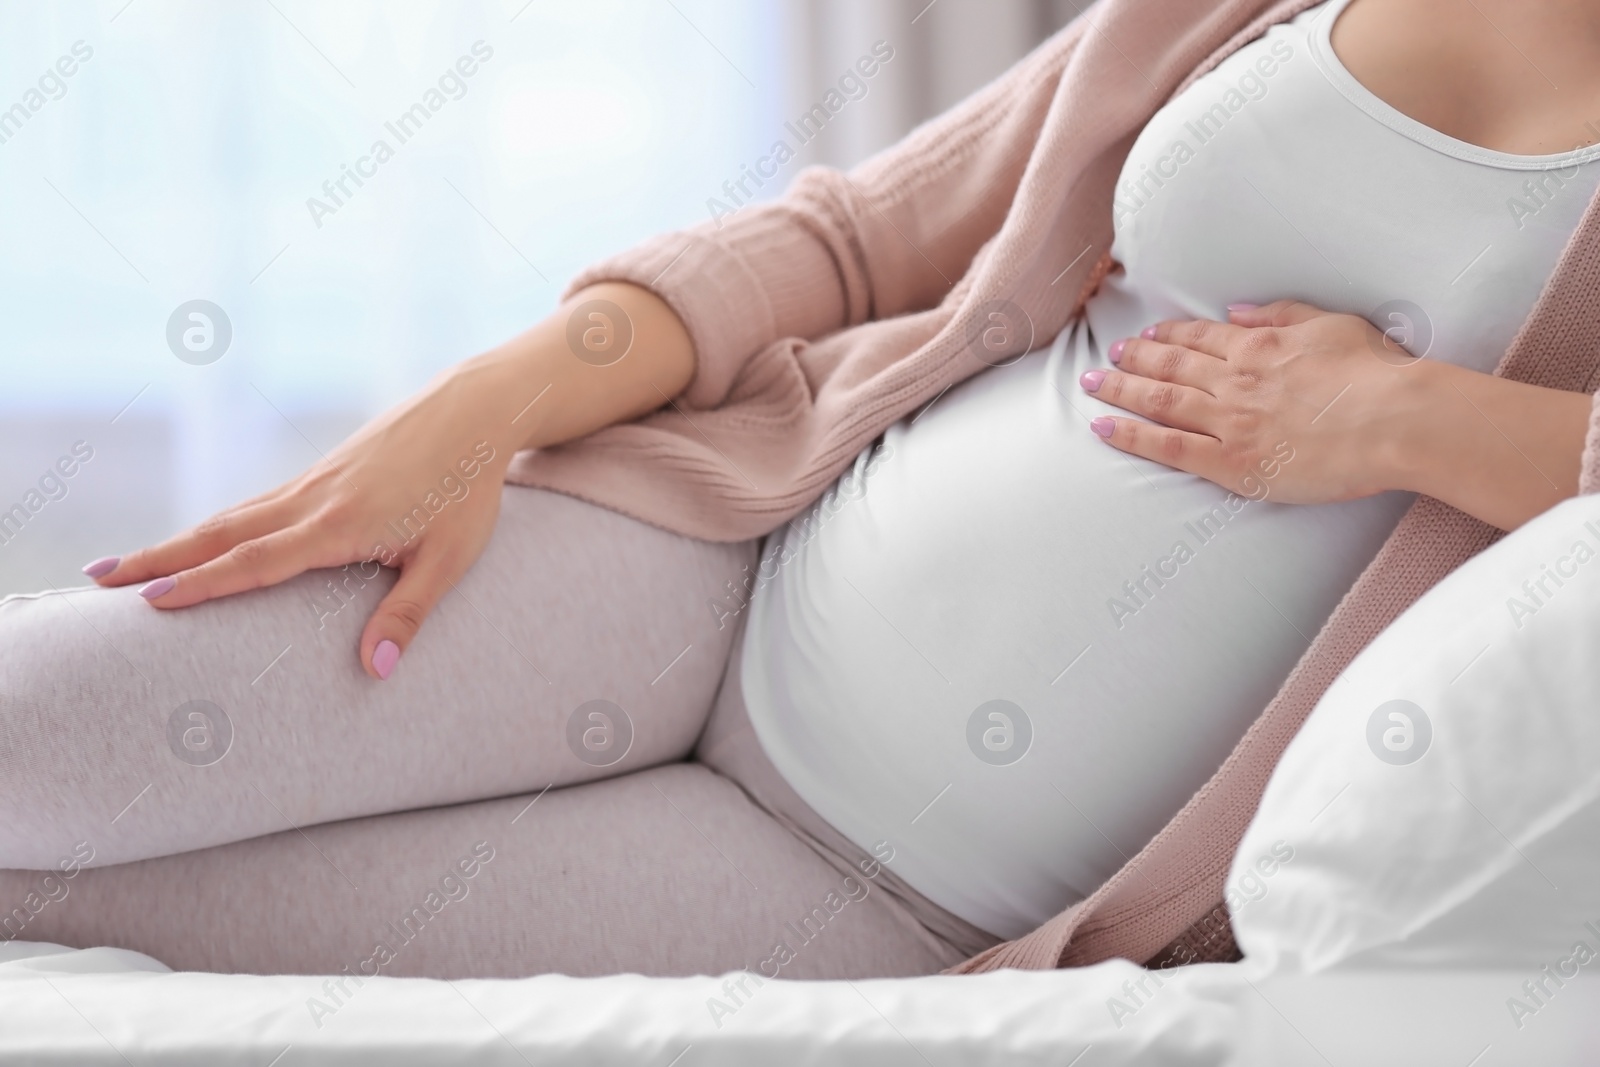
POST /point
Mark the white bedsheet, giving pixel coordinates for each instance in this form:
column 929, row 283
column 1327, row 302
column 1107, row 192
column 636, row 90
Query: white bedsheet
column 107, row 1006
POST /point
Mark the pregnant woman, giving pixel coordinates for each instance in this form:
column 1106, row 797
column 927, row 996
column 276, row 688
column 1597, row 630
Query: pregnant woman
column 882, row 574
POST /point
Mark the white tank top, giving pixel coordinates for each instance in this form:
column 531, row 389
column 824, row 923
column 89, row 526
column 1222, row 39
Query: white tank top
column 1013, row 652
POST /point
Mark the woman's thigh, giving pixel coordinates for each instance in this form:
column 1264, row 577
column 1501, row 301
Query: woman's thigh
column 579, row 646
column 667, row 871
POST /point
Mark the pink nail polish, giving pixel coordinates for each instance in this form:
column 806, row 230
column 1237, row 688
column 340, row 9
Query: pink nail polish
column 1116, row 351
column 1103, row 425
column 384, row 657
column 159, row 587
column 1091, row 380
column 1243, row 307
column 1148, row 333
column 102, row 567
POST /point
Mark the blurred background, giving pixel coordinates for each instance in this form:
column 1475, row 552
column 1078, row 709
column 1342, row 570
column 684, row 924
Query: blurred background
column 159, row 153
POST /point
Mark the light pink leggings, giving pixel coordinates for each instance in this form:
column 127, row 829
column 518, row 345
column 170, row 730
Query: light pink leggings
column 223, row 788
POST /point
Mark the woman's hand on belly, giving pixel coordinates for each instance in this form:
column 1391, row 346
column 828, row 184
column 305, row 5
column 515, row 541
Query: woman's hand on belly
column 1308, row 407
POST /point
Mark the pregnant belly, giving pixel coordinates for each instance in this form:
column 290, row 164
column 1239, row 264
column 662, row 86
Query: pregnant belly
column 1013, row 653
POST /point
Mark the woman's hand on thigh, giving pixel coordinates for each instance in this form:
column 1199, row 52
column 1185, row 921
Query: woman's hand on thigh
column 417, row 488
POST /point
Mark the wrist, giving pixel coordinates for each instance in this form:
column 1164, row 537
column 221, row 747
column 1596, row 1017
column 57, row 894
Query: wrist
column 503, row 391
column 1411, row 437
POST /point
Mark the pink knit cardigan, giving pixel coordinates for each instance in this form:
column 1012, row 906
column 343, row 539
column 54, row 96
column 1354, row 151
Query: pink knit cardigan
column 822, row 318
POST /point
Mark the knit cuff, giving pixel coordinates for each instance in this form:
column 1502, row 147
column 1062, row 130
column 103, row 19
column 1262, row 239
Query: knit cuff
column 1589, row 472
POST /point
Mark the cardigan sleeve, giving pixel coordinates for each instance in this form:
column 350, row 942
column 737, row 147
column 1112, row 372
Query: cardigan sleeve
column 1589, row 472
column 888, row 237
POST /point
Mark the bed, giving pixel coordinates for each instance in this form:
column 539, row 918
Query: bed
column 106, row 1006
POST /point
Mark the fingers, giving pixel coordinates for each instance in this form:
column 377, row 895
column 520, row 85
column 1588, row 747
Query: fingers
column 424, row 579
column 1221, row 338
column 1179, row 449
column 1167, row 362
column 1199, row 335
column 261, row 561
column 193, row 547
column 1168, row 403
column 1277, row 313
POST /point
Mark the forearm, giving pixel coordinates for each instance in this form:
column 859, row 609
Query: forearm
column 534, row 390
column 1499, row 450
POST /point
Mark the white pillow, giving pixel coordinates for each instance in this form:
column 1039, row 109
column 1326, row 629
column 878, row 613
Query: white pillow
column 1441, row 805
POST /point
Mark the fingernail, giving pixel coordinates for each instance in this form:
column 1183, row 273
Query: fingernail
column 1243, row 307
column 1116, row 351
column 159, row 587
column 1148, row 333
column 1103, row 425
column 1091, row 380
column 384, row 657
column 102, row 567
